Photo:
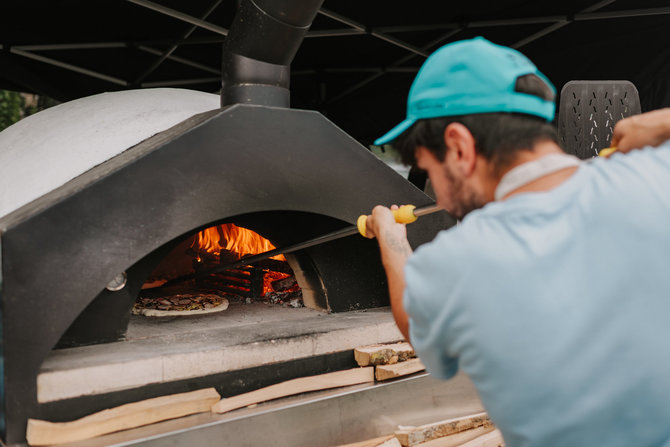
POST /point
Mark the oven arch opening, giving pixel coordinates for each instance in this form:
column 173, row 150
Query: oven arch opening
column 337, row 276
column 193, row 278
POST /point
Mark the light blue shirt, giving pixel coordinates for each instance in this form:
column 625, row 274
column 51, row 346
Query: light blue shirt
column 557, row 305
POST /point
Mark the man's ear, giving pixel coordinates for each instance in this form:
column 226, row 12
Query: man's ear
column 461, row 151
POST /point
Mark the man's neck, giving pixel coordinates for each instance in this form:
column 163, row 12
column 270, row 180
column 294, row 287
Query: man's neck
column 544, row 183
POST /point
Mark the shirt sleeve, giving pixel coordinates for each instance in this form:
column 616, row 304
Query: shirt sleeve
column 425, row 327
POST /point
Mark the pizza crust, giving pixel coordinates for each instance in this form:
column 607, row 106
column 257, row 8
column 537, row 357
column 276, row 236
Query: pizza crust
column 172, row 313
column 180, row 305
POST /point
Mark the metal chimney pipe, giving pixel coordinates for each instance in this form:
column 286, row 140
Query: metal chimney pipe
column 263, row 39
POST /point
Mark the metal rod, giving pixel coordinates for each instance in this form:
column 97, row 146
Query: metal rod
column 338, row 70
column 355, row 87
column 582, row 16
column 561, row 21
column 399, row 43
column 396, row 63
column 334, row 33
column 414, row 28
column 344, row 232
column 622, row 14
column 199, row 40
column 84, row 71
column 596, row 6
column 543, row 32
column 175, row 82
column 474, row 24
column 181, row 60
column 167, row 53
column 514, row 22
column 586, row 14
column 72, row 46
column 361, row 28
column 342, row 19
column 558, row 25
column 181, row 16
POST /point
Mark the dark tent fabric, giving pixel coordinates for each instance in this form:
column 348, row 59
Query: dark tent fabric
column 355, row 65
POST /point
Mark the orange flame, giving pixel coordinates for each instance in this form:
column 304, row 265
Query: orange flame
column 234, row 239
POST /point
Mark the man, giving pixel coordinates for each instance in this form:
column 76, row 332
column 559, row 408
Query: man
column 553, row 293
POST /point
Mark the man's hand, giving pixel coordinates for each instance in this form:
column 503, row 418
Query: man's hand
column 395, row 250
column 648, row 129
column 381, row 223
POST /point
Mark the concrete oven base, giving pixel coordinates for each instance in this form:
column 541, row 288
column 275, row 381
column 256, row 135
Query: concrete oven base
column 246, row 347
column 183, row 349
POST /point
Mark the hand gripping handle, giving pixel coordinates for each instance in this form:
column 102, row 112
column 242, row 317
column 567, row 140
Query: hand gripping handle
column 403, row 215
column 607, row 151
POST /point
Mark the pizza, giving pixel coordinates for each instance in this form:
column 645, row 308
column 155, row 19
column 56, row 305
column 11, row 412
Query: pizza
column 180, row 304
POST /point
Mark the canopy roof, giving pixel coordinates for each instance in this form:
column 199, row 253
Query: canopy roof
column 356, row 63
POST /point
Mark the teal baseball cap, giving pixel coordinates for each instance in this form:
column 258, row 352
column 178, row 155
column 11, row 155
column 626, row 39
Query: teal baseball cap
column 468, row 77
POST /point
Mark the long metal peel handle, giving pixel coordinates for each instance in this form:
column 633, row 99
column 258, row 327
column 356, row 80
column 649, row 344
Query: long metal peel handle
column 404, row 215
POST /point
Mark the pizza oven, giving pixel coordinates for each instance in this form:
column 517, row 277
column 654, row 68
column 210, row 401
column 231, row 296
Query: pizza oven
column 76, row 257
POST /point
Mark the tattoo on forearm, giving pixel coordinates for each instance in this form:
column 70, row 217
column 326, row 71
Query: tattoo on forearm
column 396, row 244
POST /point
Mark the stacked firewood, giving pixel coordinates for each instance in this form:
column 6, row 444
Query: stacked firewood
column 380, row 362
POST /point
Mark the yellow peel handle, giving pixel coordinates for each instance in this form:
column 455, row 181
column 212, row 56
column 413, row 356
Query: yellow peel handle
column 607, row 151
column 405, row 214
column 360, row 223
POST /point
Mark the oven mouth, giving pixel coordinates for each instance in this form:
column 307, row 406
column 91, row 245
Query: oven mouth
column 193, row 279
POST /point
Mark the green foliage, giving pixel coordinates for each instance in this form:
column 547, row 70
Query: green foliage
column 11, row 108
column 43, row 102
column 14, row 106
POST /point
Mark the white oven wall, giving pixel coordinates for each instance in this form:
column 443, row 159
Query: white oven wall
column 46, row 150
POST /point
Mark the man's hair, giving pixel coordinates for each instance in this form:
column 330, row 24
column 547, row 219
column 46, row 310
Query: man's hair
column 498, row 136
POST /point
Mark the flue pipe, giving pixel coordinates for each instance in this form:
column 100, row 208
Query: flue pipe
column 263, row 39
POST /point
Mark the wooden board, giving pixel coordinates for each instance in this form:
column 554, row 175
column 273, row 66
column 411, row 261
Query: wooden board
column 296, row 386
column 119, row 418
column 458, row 439
column 493, row 439
column 382, row 441
column 411, row 436
column 393, row 442
column 383, row 354
column 385, row 372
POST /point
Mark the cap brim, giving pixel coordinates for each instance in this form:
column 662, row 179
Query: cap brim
column 395, row 132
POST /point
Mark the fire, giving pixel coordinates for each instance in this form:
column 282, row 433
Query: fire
column 270, row 277
column 232, row 238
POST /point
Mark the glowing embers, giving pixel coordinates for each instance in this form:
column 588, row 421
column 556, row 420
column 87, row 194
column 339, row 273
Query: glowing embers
column 186, row 272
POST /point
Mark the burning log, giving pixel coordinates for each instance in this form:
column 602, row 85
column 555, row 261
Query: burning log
column 283, row 284
column 274, row 266
column 270, row 279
